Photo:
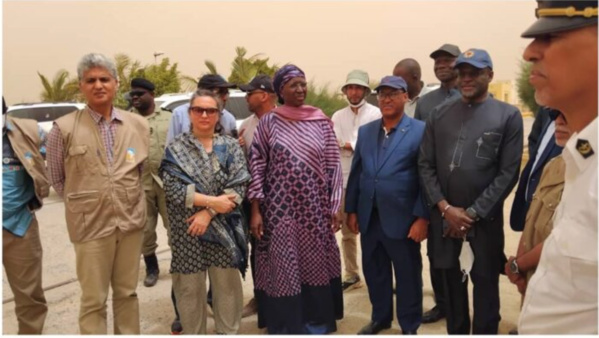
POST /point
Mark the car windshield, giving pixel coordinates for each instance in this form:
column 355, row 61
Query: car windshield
column 42, row 114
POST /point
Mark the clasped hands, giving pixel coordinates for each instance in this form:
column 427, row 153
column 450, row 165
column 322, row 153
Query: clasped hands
column 199, row 222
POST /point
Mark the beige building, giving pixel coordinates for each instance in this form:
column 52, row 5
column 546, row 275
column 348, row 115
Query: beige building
column 506, row 91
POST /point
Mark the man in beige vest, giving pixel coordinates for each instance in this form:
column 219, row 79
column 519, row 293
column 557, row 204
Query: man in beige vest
column 24, row 186
column 95, row 158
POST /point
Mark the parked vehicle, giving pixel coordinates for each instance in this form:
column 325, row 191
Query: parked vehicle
column 236, row 103
column 43, row 113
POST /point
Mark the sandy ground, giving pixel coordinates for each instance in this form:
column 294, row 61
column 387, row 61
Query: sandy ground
column 156, row 313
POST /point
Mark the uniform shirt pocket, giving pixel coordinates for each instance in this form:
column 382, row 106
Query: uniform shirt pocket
column 488, row 145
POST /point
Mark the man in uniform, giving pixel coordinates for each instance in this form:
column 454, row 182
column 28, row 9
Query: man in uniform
column 142, row 95
column 95, row 157
column 444, row 58
column 180, row 121
column 469, row 162
column 24, row 186
column 409, row 70
column 561, row 297
column 346, row 123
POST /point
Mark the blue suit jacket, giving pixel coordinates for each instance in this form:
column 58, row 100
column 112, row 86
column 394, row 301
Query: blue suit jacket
column 531, row 176
column 393, row 180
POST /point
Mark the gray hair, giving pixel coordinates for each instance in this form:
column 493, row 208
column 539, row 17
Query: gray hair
column 96, row 60
column 208, row 93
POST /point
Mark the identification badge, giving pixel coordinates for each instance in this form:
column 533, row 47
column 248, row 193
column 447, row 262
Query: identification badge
column 29, row 157
column 130, row 156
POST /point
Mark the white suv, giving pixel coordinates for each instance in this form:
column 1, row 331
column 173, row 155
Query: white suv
column 236, row 103
column 43, row 113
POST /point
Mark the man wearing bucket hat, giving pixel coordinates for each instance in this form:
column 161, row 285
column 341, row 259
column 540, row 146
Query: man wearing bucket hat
column 347, row 121
column 561, row 297
column 469, row 162
column 384, row 202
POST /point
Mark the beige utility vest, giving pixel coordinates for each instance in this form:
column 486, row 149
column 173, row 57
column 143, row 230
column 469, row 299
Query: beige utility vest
column 25, row 141
column 99, row 197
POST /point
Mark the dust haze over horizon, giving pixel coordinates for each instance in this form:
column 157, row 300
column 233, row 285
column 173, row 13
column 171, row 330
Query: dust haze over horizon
column 325, row 39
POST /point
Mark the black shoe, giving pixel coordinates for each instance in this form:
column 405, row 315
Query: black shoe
column 433, row 315
column 151, row 278
column 374, row 328
column 410, row 332
column 152, row 270
column 513, row 331
column 176, row 327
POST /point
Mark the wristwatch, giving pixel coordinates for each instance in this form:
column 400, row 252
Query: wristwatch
column 212, row 212
column 472, row 214
column 514, row 266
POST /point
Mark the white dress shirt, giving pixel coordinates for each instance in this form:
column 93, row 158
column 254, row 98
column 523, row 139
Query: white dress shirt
column 561, row 297
column 410, row 107
column 346, row 124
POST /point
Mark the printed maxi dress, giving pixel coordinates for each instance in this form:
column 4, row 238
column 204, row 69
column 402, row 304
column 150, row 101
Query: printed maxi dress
column 296, row 174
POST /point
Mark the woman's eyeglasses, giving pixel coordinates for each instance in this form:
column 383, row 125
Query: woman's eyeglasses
column 201, row 110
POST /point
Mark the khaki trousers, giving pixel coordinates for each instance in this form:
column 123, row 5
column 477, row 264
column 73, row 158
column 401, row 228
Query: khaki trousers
column 22, row 260
column 349, row 244
column 155, row 205
column 227, row 300
column 109, row 261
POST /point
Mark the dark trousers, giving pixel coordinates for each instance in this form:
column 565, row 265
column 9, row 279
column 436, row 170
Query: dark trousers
column 486, row 302
column 436, row 281
column 380, row 256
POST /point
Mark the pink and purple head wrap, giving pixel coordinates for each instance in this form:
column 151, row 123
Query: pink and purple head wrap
column 283, row 75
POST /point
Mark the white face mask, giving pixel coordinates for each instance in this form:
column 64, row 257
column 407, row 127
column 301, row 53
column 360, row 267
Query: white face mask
column 356, row 105
column 466, row 259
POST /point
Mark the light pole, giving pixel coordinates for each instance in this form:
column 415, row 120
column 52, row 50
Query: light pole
column 156, row 55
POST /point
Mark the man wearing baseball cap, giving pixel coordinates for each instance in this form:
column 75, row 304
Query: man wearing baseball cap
column 384, row 204
column 261, row 98
column 561, row 297
column 469, row 162
column 346, row 123
column 444, row 59
column 213, row 82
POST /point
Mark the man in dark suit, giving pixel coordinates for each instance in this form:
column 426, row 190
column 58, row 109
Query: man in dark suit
column 384, row 201
column 541, row 149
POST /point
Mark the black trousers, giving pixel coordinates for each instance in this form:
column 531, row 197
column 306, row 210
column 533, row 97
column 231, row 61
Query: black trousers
column 381, row 256
column 436, row 282
column 485, row 300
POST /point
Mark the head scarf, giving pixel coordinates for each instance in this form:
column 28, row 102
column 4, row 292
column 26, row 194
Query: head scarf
column 283, row 75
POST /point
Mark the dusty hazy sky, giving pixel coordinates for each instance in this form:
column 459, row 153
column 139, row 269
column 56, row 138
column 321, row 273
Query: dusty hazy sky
column 326, row 39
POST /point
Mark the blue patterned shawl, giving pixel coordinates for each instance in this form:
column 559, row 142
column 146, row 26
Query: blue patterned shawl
column 186, row 159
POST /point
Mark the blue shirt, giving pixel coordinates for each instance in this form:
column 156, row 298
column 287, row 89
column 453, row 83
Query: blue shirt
column 17, row 190
column 180, row 122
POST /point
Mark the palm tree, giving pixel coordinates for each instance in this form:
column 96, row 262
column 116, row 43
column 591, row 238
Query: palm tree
column 244, row 69
column 126, row 70
column 211, row 67
column 61, row 89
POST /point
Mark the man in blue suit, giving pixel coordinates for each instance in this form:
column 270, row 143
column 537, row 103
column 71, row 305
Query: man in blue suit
column 541, row 149
column 383, row 199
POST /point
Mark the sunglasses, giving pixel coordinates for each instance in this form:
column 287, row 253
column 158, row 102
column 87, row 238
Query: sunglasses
column 201, row 110
column 137, row 93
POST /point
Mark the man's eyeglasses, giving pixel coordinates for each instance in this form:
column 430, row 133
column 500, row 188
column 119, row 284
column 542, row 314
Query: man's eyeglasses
column 389, row 95
column 201, row 110
column 137, row 93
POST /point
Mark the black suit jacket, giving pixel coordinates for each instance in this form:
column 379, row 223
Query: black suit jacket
column 531, row 176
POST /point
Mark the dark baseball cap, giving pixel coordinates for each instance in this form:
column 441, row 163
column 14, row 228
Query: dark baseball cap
column 478, row 58
column 560, row 16
column 391, row 81
column 210, row 81
column 260, row 82
column 447, row 48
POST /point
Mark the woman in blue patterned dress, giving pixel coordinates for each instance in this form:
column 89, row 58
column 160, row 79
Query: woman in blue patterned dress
column 205, row 179
column 295, row 192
